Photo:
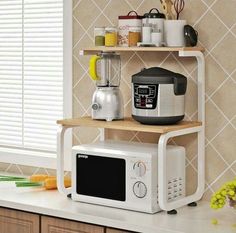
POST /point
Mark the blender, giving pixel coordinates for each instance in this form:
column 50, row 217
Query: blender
column 107, row 101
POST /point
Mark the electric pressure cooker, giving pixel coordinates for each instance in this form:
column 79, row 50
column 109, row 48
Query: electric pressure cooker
column 158, row 96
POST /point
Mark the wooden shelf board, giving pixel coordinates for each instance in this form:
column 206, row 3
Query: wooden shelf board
column 93, row 50
column 127, row 124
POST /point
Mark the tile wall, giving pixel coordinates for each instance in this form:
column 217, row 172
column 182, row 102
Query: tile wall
column 215, row 21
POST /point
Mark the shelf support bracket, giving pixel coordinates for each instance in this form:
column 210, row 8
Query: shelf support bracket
column 200, row 81
column 60, row 160
column 162, row 170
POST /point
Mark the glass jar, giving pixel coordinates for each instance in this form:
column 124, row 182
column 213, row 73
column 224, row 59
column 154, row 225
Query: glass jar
column 134, row 36
column 110, row 36
column 99, row 36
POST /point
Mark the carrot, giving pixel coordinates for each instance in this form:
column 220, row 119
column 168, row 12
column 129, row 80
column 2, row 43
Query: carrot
column 48, row 183
column 51, row 183
column 39, row 177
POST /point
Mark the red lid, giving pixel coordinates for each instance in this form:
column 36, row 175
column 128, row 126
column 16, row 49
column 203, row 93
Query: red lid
column 129, row 16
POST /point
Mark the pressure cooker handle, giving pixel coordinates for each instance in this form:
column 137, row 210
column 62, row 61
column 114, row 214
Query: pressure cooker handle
column 180, row 84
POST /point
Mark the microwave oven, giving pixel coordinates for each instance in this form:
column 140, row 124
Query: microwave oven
column 124, row 174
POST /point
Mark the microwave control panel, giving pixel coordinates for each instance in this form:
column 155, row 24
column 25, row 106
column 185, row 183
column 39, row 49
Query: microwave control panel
column 139, row 176
column 145, row 96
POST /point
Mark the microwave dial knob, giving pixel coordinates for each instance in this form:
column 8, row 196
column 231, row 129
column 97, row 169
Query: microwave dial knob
column 139, row 169
column 140, row 189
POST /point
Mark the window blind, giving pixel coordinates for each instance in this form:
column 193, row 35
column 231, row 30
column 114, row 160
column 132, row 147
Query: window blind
column 31, row 73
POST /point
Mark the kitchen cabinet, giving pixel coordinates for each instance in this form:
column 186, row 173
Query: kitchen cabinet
column 56, row 225
column 111, row 230
column 15, row 221
column 12, row 221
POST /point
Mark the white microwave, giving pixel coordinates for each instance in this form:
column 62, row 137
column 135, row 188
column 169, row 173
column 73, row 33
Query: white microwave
column 124, row 174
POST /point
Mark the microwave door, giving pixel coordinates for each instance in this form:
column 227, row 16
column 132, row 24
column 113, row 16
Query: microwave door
column 103, row 177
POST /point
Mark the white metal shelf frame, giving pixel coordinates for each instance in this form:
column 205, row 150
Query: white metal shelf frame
column 162, row 163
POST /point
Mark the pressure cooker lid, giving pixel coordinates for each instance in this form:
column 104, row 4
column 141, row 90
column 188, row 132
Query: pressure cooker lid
column 157, row 75
column 154, row 75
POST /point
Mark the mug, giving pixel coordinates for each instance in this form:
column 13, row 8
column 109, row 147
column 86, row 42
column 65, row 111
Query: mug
column 174, row 33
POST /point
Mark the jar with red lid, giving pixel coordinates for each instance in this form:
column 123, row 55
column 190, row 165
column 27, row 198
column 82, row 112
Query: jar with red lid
column 132, row 19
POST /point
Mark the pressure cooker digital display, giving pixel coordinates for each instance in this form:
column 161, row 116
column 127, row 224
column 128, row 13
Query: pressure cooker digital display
column 145, row 96
column 143, row 91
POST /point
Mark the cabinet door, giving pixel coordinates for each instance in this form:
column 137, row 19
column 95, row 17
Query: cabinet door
column 12, row 221
column 111, row 230
column 56, row 225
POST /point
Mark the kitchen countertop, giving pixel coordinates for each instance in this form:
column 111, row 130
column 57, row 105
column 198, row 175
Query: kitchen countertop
column 188, row 219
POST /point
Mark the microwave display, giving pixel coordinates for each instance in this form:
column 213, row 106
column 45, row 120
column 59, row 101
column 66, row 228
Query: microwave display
column 102, row 177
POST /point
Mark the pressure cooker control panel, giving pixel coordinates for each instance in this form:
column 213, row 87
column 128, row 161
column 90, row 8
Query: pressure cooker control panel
column 145, row 96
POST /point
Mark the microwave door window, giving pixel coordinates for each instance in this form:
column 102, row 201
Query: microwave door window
column 101, row 177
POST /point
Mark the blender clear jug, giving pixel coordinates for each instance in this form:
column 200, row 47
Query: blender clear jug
column 105, row 69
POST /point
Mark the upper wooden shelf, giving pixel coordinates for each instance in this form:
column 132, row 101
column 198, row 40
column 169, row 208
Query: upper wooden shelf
column 94, row 50
column 127, row 124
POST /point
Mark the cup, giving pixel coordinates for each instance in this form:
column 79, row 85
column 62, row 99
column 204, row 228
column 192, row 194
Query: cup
column 174, row 33
column 146, row 33
column 157, row 38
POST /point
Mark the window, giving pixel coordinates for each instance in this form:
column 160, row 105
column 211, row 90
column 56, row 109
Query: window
column 35, row 58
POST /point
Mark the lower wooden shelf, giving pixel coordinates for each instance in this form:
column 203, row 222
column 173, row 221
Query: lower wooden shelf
column 127, row 124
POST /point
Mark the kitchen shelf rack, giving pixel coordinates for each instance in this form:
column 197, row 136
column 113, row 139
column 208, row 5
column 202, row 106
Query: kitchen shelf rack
column 166, row 132
column 97, row 49
column 127, row 124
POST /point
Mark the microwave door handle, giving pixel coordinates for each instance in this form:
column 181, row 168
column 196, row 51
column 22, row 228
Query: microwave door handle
column 60, row 161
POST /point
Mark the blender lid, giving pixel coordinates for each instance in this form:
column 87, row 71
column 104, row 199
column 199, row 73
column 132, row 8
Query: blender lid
column 109, row 54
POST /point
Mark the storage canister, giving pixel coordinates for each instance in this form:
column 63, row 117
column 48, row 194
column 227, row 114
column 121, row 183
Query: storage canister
column 156, row 19
column 132, row 19
column 110, row 36
column 99, row 36
column 134, row 36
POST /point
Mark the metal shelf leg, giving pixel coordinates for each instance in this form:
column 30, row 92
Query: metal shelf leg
column 162, row 169
column 60, row 161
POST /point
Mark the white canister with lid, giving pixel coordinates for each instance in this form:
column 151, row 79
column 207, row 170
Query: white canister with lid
column 132, row 19
column 156, row 19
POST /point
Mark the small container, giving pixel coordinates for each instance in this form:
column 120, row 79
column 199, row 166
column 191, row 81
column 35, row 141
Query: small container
column 134, row 36
column 146, row 33
column 99, row 36
column 156, row 36
column 110, row 36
